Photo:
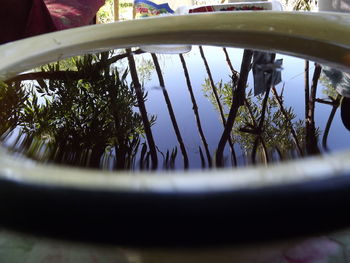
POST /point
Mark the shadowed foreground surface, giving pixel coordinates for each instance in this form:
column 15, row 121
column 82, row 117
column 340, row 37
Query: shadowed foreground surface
column 332, row 248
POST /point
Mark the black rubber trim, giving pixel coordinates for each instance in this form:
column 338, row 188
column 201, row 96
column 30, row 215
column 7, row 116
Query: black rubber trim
column 144, row 219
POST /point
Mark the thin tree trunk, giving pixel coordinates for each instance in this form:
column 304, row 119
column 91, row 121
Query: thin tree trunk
column 216, row 95
column 235, row 73
column 260, row 127
column 311, row 138
column 237, row 100
column 260, row 131
column 335, row 106
column 306, row 87
column 195, row 110
column 171, row 111
column 312, row 100
column 255, row 131
column 143, row 111
column 223, row 119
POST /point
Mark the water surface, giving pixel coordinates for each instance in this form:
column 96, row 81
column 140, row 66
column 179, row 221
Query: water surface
column 211, row 107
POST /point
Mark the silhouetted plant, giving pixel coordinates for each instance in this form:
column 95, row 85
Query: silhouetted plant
column 276, row 135
column 79, row 121
column 12, row 102
column 210, row 83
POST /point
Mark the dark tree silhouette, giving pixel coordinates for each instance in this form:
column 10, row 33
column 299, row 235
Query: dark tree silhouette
column 196, row 113
column 218, row 102
column 81, row 121
column 171, row 111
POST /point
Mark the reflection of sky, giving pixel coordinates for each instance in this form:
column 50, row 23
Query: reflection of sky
column 292, row 79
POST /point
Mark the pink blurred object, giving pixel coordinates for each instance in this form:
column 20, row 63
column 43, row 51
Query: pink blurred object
column 25, row 18
column 73, row 13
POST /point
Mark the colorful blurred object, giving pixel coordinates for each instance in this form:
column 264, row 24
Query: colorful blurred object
column 25, row 18
column 72, row 13
column 145, row 8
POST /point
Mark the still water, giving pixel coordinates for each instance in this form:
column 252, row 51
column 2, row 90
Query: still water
column 211, row 107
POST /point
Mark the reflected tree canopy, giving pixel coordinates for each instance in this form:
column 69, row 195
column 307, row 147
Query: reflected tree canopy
column 78, row 111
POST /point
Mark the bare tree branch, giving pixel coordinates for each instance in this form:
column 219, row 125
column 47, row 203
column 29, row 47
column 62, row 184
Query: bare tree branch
column 143, row 111
column 195, row 109
column 237, row 100
column 284, row 112
column 171, row 111
column 216, row 95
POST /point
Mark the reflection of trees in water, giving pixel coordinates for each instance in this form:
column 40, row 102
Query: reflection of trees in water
column 12, row 98
column 196, row 114
column 142, row 108
column 268, row 136
column 333, row 99
column 78, row 116
column 81, row 111
column 330, row 79
column 311, row 137
column 262, row 126
column 171, row 111
column 209, row 83
column 265, row 127
column 237, row 100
